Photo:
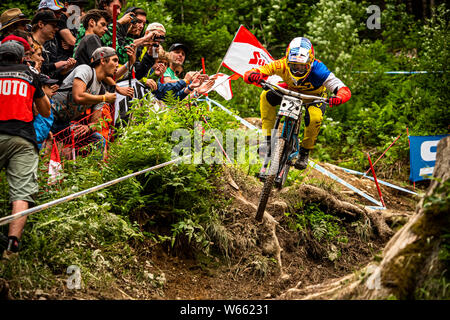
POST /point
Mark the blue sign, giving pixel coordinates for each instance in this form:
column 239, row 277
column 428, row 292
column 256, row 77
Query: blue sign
column 422, row 156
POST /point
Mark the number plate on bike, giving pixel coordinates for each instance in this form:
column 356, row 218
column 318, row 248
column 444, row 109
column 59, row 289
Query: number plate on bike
column 290, row 107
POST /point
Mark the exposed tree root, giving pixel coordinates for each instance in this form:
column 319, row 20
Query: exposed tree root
column 409, row 257
column 270, row 245
column 309, row 193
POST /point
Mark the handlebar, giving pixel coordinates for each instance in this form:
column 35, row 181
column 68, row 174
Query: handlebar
column 270, row 86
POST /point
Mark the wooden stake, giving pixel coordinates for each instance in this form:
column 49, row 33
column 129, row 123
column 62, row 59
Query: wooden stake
column 376, row 181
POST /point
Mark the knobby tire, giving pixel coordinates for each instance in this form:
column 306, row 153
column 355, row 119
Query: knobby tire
column 270, row 178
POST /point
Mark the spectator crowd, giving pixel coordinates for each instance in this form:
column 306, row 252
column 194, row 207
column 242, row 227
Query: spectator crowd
column 58, row 82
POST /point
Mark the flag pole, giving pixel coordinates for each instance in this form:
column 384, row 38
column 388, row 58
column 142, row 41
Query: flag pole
column 203, row 65
column 114, row 23
column 220, row 65
column 382, row 155
column 376, row 181
column 220, row 83
column 409, row 142
column 206, row 93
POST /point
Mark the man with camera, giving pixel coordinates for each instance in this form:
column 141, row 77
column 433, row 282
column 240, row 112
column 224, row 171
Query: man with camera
column 149, row 49
column 129, row 31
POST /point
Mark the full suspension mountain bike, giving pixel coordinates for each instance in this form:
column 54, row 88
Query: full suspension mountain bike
column 284, row 140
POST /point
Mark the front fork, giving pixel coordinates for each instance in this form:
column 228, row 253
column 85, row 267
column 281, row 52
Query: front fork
column 291, row 137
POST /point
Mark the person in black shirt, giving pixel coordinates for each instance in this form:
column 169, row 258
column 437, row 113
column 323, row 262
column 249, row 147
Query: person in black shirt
column 96, row 24
column 44, row 28
column 19, row 88
column 55, row 46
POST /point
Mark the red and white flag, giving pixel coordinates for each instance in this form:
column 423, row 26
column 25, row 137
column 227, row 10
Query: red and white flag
column 222, row 85
column 54, row 166
column 245, row 53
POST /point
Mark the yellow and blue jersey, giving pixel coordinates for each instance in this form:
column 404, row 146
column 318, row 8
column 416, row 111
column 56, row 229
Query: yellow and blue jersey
column 314, row 83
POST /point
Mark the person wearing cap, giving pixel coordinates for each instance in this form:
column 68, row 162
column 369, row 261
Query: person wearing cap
column 20, row 88
column 149, row 53
column 11, row 20
column 42, row 124
column 20, row 36
column 83, row 89
column 61, row 47
column 44, row 28
column 178, row 53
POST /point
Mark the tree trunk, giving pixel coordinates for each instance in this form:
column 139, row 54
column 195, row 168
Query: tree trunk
column 411, row 263
column 424, row 9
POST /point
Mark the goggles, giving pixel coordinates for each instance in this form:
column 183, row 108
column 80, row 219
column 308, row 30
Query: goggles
column 298, row 69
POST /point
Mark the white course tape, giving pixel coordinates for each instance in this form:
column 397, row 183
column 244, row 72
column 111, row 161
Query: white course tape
column 243, row 121
column 8, row 219
column 398, row 72
column 334, row 177
column 371, row 178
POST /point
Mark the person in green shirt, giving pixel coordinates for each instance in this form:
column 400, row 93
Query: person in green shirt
column 177, row 53
column 129, row 29
column 107, row 5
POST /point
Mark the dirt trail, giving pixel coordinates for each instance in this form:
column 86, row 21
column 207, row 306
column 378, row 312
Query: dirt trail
column 264, row 259
column 267, row 259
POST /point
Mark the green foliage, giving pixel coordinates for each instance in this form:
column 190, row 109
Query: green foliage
column 323, row 226
column 27, row 8
column 384, row 105
column 333, row 32
column 96, row 231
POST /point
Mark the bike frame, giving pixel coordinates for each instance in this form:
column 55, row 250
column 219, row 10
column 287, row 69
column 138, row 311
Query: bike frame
column 291, row 127
column 286, row 147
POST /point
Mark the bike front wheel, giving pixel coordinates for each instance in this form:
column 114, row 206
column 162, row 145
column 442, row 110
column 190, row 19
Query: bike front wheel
column 270, row 178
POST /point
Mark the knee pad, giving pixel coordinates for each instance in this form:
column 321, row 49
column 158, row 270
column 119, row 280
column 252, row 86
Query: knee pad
column 273, row 98
column 316, row 115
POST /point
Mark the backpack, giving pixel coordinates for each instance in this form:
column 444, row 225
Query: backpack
column 64, row 113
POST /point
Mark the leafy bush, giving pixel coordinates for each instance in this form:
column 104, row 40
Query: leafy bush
column 311, row 217
column 97, row 232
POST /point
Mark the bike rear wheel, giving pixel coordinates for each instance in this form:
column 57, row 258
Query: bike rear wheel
column 270, row 178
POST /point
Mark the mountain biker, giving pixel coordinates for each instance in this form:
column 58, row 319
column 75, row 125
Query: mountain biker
column 301, row 72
